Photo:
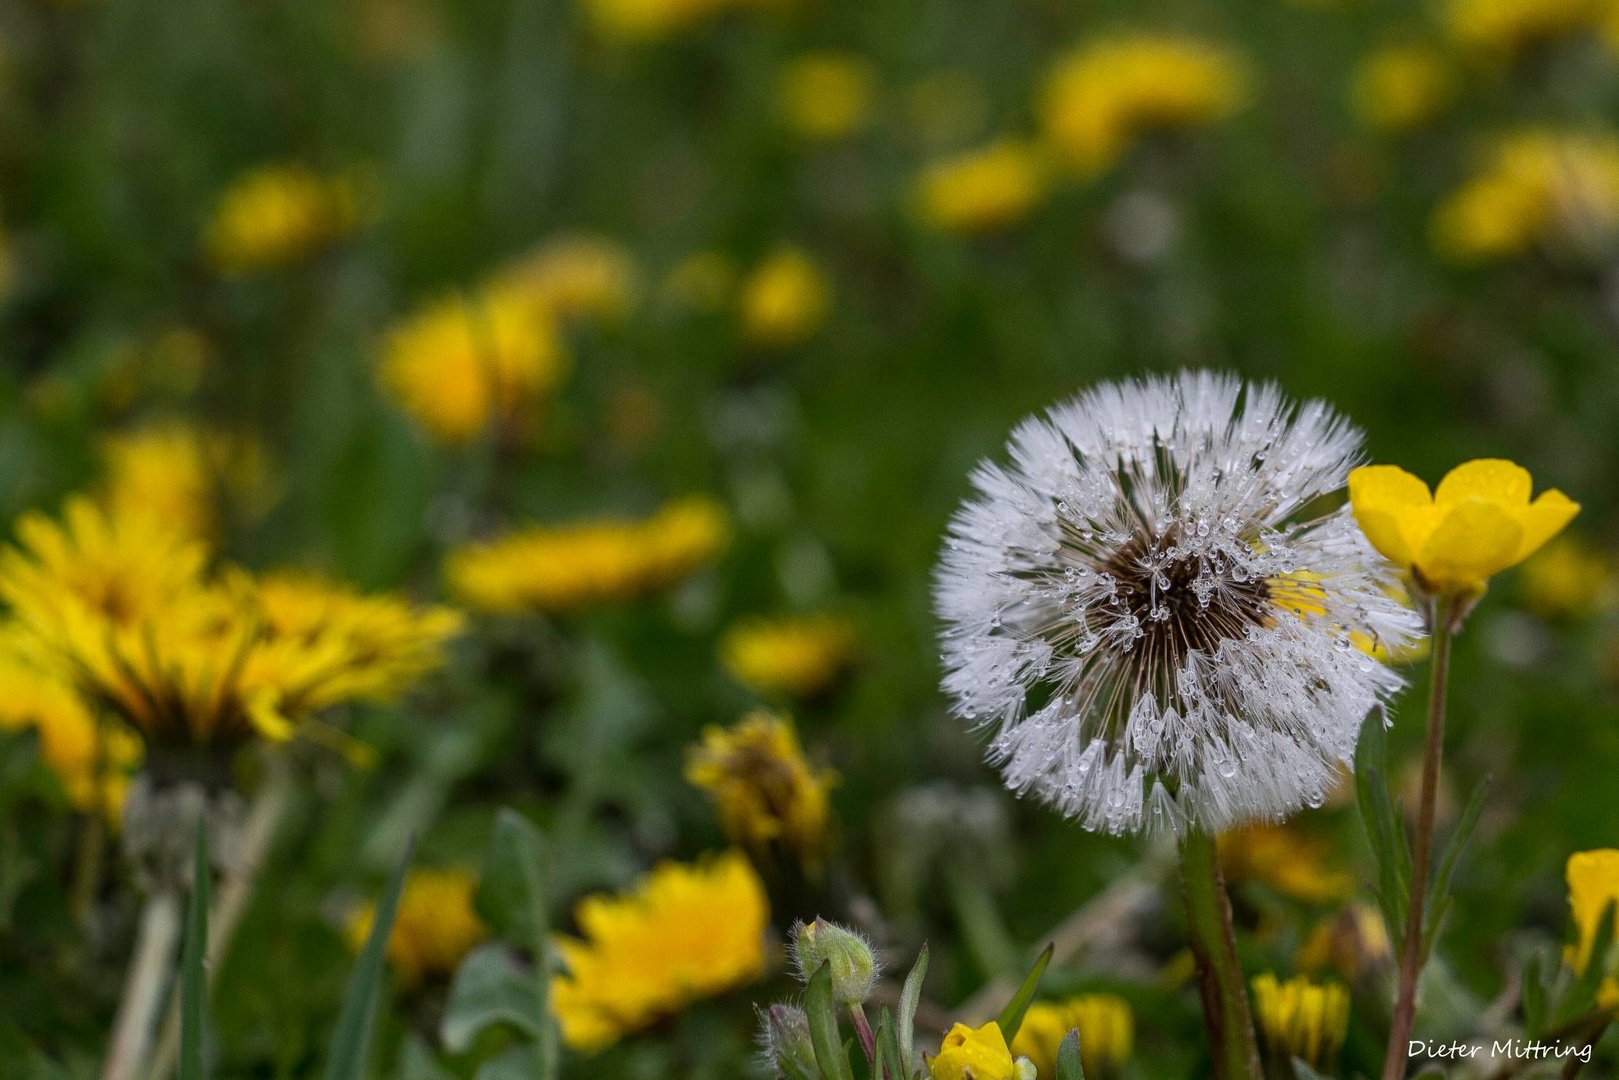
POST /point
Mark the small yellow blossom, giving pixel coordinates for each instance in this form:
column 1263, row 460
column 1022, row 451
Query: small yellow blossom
column 797, row 657
column 685, row 932
column 650, row 20
column 765, row 790
column 1288, row 860
column 1506, row 29
column 464, row 363
column 785, row 300
column 1106, row 1034
column 575, row 276
column 1353, row 943
column 1536, row 188
column 566, row 567
column 983, row 190
column 279, row 214
column 1301, row 1019
column 435, row 925
column 1569, row 578
column 826, row 95
column 1400, row 88
column 1477, row 523
column 1100, row 98
column 1593, row 884
column 973, row 1054
column 92, row 761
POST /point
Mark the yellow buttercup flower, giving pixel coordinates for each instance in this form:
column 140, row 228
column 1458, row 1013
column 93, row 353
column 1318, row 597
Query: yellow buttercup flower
column 1106, row 1033
column 765, row 790
column 465, row 363
column 279, row 214
column 575, row 276
column 1508, row 28
column 435, row 925
column 797, row 657
column 785, row 300
column 1400, row 88
column 1593, row 884
column 650, row 20
column 1301, row 1019
column 685, row 932
column 1101, row 98
column 1537, row 188
column 1569, row 578
column 826, row 95
column 91, row 761
column 1286, row 859
column 566, row 567
column 973, row 1054
column 1478, row 522
column 983, row 190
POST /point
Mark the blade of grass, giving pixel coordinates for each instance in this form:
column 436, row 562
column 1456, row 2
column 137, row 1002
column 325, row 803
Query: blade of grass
column 352, row 1037
column 1011, row 1017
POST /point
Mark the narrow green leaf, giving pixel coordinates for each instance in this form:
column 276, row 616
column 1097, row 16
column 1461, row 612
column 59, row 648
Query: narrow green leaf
column 193, row 971
column 887, row 1066
column 1068, row 1064
column 905, row 1029
column 351, row 1038
column 1011, row 1017
column 830, row 1056
column 516, row 1063
column 1534, row 997
column 1447, row 864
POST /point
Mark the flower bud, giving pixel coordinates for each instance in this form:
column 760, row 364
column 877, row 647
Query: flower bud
column 784, row 1030
column 845, row 953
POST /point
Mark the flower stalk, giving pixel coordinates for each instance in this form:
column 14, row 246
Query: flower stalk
column 149, row 969
column 1226, row 1012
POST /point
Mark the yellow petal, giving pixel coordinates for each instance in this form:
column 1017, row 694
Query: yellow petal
column 1383, row 530
column 1543, row 519
column 1491, row 479
column 1393, row 509
column 1472, row 540
column 1386, row 486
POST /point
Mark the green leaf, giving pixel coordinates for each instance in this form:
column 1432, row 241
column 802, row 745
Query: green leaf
column 489, row 990
column 1011, row 1017
column 1582, row 995
column 1068, row 1064
column 1534, row 997
column 830, row 1056
column 352, row 1037
column 1440, row 888
column 514, row 897
column 193, row 970
column 905, row 1030
column 888, row 1060
column 516, row 1063
column 1381, row 819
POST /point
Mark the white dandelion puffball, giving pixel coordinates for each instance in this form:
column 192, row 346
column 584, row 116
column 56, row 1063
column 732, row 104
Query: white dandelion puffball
column 1149, row 613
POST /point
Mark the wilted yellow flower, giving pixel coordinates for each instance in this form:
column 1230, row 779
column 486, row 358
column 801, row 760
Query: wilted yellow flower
column 565, row 567
column 764, row 788
column 278, row 214
column 799, row 657
column 1301, row 1019
column 649, row 20
column 92, row 765
column 1401, row 88
column 685, row 932
column 1353, row 943
column 1569, row 578
column 1106, row 1033
column 973, row 1054
column 1593, row 884
column 826, row 95
column 1100, row 98
column 986, row 189
column 1286, row 859
column 1506, row 28
column 435, row 925
column 785, row 300
column 176, row 471
column 575, row 276
column 1477, row 523
column 1536, row 188
column 464, row 363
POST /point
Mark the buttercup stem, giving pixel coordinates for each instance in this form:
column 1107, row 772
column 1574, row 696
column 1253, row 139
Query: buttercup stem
column 1411, row 958
column 149, row 971
column 1226, row 1013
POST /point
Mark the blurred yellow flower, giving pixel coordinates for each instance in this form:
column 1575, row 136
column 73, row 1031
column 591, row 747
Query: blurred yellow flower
column 564, row 567
column 435, row 926
column 1106, row 1034
column 687, row 931
column 973, row 1054
column 92, row 765
column 1286, row 859
column 1301, row 1019
column 465, row 363
column 1537, row 187
column 177, row 472
column 797, row 657
column 1400, row 88
column 1569, row 578
column 785, row 300
column 765, row 790
column 1593, row 884
column 575, row 276
column 1101, row 97
column 278, row 214
column 1477, row 523
column 1507, row 28
column 650, row 20
column 983, row 190
column 1353, row 943
column 826, row 95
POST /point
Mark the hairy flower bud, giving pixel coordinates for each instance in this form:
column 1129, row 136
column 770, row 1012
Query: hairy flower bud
column 784, row 1031
column 846, row 954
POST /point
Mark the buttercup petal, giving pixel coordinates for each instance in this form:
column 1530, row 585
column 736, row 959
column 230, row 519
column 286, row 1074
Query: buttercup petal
column 1386, row 486
column 1472, row 540
column 1543, row 519
column 1492, row 479
column 1384, row 531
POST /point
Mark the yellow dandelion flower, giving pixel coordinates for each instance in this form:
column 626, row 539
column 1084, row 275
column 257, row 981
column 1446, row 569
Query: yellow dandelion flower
column 565, row 567
column 435, row 925
column 983, row 190
column 1353, row 943
column 685, row 932
column 1101, row 98
column 1478, row 522
column 1536, row 188
column 177, row 471
column 785, row 300
column 1286, row 859
column 650, row 20
column 797, row 657
column 973, row 1054
column 1106, row 1034
column 764, row 788
column 1508, row 28
column 1593, row 884
column 278, row 214
column 826, row 95
column 1569, row 578
column 1301, row 1019
column 575, row 276
column 465, row 363
column 92, row 761
column 1401, row 88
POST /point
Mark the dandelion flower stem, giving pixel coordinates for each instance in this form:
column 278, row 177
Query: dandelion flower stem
column 1226, row 1013
column 149, row 971
column 1411, row 951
